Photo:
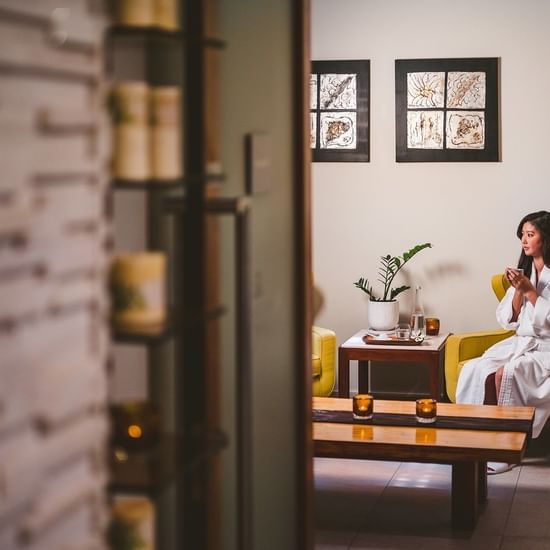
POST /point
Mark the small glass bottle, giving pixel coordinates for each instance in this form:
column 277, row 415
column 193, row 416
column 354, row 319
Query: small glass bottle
column 418, row 324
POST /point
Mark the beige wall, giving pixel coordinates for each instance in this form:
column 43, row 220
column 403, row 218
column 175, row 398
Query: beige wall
column 469, row 211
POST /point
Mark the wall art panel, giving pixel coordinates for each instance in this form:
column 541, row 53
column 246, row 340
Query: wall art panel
column 447, row 110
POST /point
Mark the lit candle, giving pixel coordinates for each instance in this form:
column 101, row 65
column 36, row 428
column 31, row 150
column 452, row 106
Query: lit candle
column 426, row 410
column 362, row 406
column 432, row 326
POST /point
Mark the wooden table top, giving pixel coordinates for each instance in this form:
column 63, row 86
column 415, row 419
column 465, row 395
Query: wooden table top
column 430, row 343
column 420, row 442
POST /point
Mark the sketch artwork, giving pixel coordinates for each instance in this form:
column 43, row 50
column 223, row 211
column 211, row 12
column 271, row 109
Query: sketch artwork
column 425, row 90
column 338, row 91
column 339, row 111
column 465, row 130
column 425, row 129
column 466, row 90
column 312, row 130
column 338, row 130
column 313, row 91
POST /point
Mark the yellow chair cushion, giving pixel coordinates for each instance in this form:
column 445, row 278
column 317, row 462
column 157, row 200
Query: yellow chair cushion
column 463, row 347
column 316, row 366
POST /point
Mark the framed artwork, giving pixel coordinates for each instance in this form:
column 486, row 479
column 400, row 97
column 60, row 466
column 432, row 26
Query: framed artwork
column 339, row 111
column 447, row 110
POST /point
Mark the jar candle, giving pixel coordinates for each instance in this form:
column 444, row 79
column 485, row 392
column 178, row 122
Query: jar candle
column 166, row 14
column 166, row 158
column 138, row 290
column 135, row 13
column 135, row 425
column 432, row 326
column 426, row 411
column 130, row 114
column 362, row 406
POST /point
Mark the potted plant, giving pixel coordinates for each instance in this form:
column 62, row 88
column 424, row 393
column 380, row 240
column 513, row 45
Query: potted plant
column 384, row 308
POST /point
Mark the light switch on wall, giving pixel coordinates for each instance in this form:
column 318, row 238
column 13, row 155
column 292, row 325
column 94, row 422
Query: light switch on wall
column 258, row 163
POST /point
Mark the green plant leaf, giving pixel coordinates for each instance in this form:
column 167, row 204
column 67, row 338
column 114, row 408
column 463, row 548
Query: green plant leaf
column 390, row 266
column 396, row 291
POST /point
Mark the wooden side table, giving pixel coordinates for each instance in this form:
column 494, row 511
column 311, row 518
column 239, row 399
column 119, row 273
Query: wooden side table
column 428, row 353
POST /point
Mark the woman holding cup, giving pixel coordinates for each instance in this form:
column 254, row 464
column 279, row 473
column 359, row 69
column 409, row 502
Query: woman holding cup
column 516, row 371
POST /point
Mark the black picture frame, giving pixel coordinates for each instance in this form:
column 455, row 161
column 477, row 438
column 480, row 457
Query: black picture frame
column 469, row 131
column 348, row 145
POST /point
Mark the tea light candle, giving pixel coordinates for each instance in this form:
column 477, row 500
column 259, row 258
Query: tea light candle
column 426, row 410
column 432, row 326
column 362, row 406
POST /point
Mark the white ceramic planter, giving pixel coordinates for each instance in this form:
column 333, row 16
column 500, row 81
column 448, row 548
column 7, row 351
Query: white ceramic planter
column 383, row 315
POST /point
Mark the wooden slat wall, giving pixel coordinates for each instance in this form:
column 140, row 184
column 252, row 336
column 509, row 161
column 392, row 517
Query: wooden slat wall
column 54, row 340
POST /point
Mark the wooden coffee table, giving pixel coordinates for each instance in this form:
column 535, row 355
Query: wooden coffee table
column 466, row 450
column 430, row 353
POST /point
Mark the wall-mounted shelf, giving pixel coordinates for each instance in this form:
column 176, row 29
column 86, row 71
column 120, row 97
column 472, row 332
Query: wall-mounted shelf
column 150, row 471
column 146, row 336
column 163, row 185
column 157, row 33
column 147, row 185
column 159, row 334
column 214, row 205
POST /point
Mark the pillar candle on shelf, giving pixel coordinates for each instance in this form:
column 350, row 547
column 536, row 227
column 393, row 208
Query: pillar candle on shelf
column 138, row 289
column 130, row 112
column 166, row 14
column 166, row 133
column 135, row 13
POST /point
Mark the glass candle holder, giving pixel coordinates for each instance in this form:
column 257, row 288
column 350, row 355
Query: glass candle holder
column 432, row 326
column 135, row 425
column 426, row 411
column 403, row 331
column 362, row 406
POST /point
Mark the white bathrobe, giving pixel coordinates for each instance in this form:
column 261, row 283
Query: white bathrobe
column 525, row 357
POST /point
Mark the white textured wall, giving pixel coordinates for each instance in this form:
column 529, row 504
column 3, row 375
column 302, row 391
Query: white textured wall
column 469, row 211
column 54, row 339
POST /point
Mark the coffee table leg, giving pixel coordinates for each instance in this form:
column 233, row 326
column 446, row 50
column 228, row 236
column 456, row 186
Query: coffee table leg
column 465, row 495
column 343, row 373
column 482, row 482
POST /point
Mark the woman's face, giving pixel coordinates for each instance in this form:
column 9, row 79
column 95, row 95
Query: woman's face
column 531, row 241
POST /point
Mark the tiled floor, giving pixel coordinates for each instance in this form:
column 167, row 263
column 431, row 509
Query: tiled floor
column 393, row 505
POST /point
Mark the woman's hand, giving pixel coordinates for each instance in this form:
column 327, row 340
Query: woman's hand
column 524, row 287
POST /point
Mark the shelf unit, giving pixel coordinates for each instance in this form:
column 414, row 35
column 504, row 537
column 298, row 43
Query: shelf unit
column 187, row 460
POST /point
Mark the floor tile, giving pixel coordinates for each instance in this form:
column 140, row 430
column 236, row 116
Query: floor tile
column 332, row 540
column 411, row 511
column 346, row 490
column 525, row 543
column 388, row 505
column 396, row 542
column 529, row 514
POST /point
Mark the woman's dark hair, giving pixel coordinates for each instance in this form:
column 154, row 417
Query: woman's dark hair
column 541, row 220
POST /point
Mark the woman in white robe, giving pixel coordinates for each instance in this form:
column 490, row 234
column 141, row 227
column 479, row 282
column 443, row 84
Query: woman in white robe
column 518, row 368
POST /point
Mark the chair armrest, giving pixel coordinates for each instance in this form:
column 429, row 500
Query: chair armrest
column 324, row 346
column 461, row 347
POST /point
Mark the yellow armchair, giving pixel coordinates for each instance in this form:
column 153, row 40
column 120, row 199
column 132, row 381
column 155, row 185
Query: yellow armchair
column 323, row 361
column 463, row 347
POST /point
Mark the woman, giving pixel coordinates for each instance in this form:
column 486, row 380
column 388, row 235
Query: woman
column 516, row 371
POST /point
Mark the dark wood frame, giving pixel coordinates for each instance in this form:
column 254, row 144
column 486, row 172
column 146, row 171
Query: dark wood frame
column 491, row 152
column 361, row 152
column 303, row 283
